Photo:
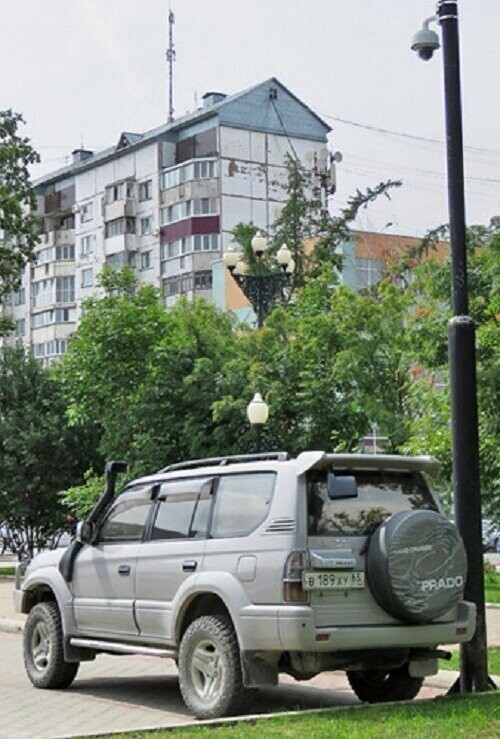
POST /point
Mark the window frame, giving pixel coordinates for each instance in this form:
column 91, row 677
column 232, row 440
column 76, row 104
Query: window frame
column 194, row 486
column 128, row 494
column 216, row 493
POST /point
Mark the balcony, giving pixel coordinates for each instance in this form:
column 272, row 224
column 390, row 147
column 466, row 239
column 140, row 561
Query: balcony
column 127, row 207
column 120, row 243
column 59, row 202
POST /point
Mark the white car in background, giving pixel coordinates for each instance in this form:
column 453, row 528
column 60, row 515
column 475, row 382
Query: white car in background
column 491, row 536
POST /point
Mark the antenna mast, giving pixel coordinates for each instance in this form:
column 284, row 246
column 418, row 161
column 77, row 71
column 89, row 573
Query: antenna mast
column 170, row 60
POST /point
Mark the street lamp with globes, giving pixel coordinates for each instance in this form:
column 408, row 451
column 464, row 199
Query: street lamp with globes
column 264, row 288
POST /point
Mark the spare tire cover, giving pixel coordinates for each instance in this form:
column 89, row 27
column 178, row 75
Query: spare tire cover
column 416, row 565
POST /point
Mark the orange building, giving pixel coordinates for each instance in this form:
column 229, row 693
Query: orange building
column 365, row 260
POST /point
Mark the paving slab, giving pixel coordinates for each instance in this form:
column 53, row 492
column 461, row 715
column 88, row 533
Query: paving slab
column 115, row 694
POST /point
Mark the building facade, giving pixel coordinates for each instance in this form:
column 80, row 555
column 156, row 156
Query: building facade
column 165, row 203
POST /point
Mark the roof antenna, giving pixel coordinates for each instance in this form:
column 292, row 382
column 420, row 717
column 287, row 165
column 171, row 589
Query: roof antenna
column 170, row 60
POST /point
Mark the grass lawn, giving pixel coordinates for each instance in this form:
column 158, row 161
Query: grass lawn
column 6, row 571
column 476, row 716
column 492, row 587
column 493, row 661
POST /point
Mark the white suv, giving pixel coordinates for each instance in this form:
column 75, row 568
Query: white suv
column 244, row 567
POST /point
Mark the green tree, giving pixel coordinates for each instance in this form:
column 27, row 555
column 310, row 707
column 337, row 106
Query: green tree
column 305, row 225
column 328, row 365
column 18, row 220
column 40, row 454
column 430, row 293
column 148, row 375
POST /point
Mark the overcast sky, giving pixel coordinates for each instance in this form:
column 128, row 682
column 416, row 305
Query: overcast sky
column 82, row 71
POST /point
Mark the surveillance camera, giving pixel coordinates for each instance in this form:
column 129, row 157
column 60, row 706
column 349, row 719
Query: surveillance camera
column 425, row 42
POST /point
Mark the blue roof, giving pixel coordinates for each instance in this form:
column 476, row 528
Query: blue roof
column 268, row 106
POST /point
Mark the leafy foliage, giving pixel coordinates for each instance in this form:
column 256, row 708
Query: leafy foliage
column 149, row 375
column 306, row 227
column 40, row 454
column 18, row 220
column 427, row 323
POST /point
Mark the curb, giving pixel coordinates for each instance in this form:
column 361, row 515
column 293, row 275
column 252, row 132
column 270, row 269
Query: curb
column 11, row 625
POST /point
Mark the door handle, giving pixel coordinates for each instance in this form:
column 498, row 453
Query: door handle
column 124, row 570
column 189, row 565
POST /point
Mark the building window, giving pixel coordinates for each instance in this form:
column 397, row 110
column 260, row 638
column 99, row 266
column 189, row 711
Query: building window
column 20, row 296
column 65, row 315
column 171, row 286
column 121, row 259
column 48, row 317
column 204, row 206
column 368, row 272
column 203, row 280
column 187, row 281
column 147, row 259
column 146, row 190
column 65, row 252
column 20, row 329
column 45, row 255
column 87, row 245
column 60, row 253
column 119, row 226
column 146, row 225
column 206, row 242
column 52, row 348
column 119, row 191
column 87, row 277
column 194, row 170
column 87, row 212
column 65, row 289
column 43, row 293
column 66, row 223
column 204, row 169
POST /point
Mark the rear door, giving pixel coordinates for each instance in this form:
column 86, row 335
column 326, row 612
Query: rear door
column 172, row 553
column 338, row 534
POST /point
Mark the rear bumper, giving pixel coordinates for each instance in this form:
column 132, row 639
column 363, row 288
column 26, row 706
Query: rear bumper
column 297, row 632
column 292, row 628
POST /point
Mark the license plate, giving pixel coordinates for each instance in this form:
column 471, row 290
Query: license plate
column 328, row 580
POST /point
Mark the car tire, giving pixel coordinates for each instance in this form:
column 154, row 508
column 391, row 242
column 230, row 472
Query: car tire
column 210, row 676
column 379, row 686
column 43, row 649
column 416, row 566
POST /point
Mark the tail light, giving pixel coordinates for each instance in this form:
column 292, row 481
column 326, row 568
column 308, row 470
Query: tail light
column 293, row 592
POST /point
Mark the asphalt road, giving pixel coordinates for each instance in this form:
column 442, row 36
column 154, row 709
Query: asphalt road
column 115, row 694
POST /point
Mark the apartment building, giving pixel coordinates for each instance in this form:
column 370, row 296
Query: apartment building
column 164, row 202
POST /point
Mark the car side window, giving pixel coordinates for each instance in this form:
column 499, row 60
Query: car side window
column 127, row 519
column 182, row 511
column 242, row 502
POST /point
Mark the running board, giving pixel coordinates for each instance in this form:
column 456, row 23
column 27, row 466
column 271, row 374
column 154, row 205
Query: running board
column 120, row 648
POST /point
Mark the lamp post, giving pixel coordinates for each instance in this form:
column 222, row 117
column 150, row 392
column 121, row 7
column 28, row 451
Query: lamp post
column 462, row 352
column 262, row 289
column 258, row 413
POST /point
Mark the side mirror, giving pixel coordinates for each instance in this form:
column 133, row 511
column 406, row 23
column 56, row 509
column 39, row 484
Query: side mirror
column 343, row 486
column 84, row 532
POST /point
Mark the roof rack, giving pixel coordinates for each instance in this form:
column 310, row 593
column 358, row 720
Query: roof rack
column 222, row 461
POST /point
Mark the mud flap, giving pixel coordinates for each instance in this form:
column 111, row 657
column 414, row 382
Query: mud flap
column 259, row 668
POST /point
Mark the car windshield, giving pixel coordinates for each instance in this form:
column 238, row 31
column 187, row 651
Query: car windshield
column 380, row 494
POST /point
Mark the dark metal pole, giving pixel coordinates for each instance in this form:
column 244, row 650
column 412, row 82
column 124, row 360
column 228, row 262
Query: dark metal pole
column 462, row 358
column 258, row 428
column 260, row 306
